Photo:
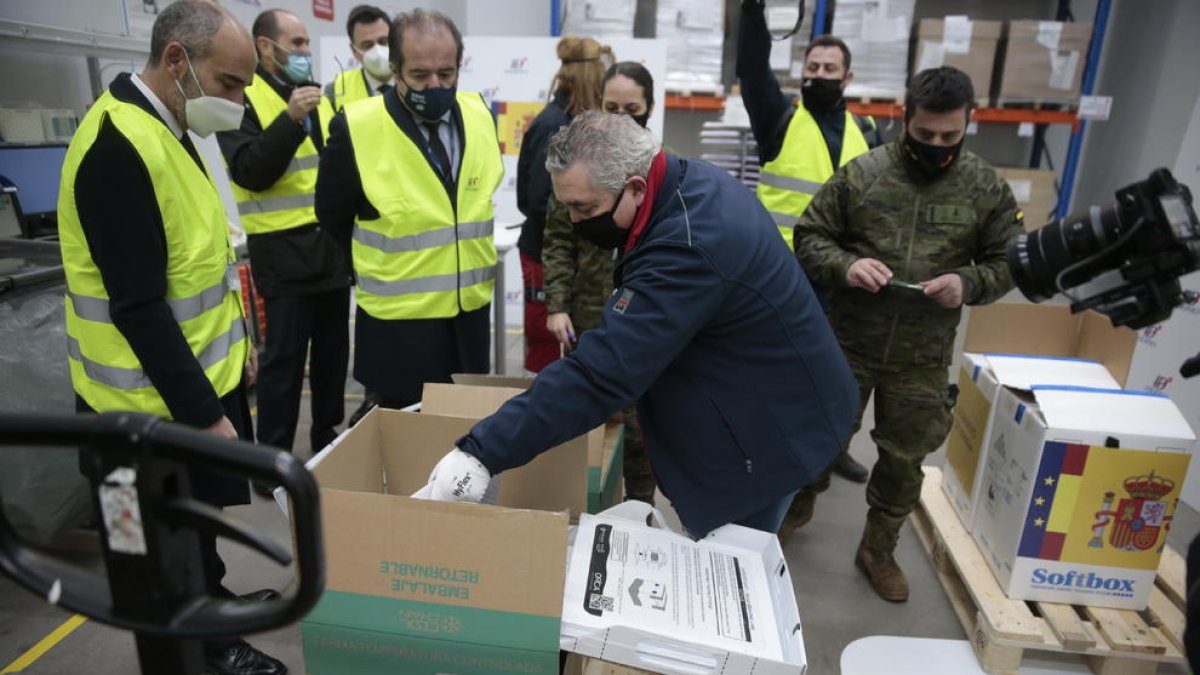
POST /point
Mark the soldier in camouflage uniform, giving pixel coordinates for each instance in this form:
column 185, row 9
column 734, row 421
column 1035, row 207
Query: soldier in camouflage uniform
column 920, row 211
column 578, row 276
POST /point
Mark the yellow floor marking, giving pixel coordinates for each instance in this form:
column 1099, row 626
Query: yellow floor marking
column 46, row 644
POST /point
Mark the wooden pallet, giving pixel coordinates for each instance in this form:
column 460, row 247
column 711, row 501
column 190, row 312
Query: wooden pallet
column 1112, row 642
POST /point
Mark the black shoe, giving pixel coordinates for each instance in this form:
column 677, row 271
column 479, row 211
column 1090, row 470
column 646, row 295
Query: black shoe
column 261, row 595
column 242, row 659
column 847, row 468
column 368, row 403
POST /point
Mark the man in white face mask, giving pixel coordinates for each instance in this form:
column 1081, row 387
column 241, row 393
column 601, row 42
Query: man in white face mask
column 367, row 27
column 154, row 318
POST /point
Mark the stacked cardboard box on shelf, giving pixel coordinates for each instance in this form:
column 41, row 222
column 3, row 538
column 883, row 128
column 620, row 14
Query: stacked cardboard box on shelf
column 1043, row 62
column 1035, row 192
column 877, row 34
column 962, row 43
column 1066, row 482
column 695, row 35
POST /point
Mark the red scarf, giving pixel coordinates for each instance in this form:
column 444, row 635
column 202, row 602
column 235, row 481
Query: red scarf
column 658, row 170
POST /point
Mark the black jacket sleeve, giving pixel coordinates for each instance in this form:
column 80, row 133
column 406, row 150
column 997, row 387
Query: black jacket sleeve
column 125, row 236
column 765, row 101
column 257, row 158
column 340, row 197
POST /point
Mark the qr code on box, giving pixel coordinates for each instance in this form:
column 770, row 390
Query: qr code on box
column 603, row 603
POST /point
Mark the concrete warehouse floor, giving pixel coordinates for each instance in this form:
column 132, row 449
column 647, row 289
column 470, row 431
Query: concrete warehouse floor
column 836, row 603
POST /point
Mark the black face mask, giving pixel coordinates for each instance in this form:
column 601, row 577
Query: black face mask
column 820, row 94
column 928, row 160
column 602, row 230
column 642, row 119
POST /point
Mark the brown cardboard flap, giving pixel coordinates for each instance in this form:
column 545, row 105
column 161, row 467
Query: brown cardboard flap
column 1050, row 330
column 1113, row 347
column 479, row 380
column 464, row 400
column 356, row 464
column 412, row 443
column 1021, row 328
column 501, row 559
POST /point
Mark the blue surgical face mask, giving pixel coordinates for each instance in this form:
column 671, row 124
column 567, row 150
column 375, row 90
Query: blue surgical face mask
column 297, row 68
column 430, row 102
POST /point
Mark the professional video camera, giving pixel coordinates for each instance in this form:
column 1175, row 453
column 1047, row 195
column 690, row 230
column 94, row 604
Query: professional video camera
column 1123, row 260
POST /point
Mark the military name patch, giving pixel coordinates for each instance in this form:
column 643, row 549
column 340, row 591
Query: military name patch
column 950, row 214
column 622, row 302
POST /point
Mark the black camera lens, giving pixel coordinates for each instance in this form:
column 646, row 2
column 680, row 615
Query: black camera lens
column 1038, row 258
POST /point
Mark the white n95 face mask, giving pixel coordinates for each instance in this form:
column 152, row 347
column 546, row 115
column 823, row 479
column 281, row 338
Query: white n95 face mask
column 375, row 60
column 208, row 114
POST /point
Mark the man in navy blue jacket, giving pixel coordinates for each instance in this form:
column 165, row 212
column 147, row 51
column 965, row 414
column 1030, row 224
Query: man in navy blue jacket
column 743, row 392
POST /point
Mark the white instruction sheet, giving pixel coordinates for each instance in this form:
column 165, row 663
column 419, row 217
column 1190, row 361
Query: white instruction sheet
column 625, row 573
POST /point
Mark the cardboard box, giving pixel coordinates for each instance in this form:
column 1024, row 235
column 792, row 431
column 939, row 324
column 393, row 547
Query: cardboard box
column 1043, row 61
column 417, row 586
column 878, row 36
column 957, row 41
column 487, row 380
column 1079, row 349
column 1078, row 491
column 1036, row 194
column 656, row 600
column 605, row 446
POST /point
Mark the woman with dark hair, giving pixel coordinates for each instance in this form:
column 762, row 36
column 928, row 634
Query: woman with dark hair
column 575, row 88
column 579, row 275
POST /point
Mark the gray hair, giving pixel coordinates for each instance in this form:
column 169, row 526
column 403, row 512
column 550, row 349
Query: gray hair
column 191, row 23
column 612, row 147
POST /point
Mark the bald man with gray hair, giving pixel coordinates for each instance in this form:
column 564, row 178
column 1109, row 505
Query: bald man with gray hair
column 743, row 393
column 153, row 323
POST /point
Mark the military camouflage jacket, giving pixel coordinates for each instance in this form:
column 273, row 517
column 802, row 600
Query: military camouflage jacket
column 578, row 275
column 874, row 207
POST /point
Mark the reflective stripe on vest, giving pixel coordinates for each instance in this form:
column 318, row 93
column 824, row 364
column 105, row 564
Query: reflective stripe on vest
column 105, row 371
column 423, row 257
column 432, row 284
column 132, row 379
column 424, row 240
column 183, row 309
column 787, row 183
column 288, row 203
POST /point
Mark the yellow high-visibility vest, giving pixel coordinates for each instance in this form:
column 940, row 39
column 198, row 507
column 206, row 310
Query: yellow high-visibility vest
column 423, row 258
column 289, row 202
column 787, row 183
column 349, row 86
column 105, row 371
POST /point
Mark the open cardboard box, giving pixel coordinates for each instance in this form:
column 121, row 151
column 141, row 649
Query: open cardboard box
column 605, row 445
column 416, row 586
column 1065, row 348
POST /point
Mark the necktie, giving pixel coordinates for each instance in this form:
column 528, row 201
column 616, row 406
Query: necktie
column 440, row 157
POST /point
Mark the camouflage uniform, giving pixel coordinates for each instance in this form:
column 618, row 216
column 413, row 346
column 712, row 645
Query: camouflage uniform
column 900, row 343
column 579, row 280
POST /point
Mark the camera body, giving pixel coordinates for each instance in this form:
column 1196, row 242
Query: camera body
column 1123, row 260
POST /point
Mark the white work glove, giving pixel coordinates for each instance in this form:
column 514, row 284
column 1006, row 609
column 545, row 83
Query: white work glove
column 457, row 477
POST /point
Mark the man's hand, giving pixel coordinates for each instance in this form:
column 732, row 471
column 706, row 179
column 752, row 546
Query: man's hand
column 302, row 101
column 559, row 324
column 252, row 366
column 223, row 429
column 946, row 290
column 868, row 274
column 458, row 477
